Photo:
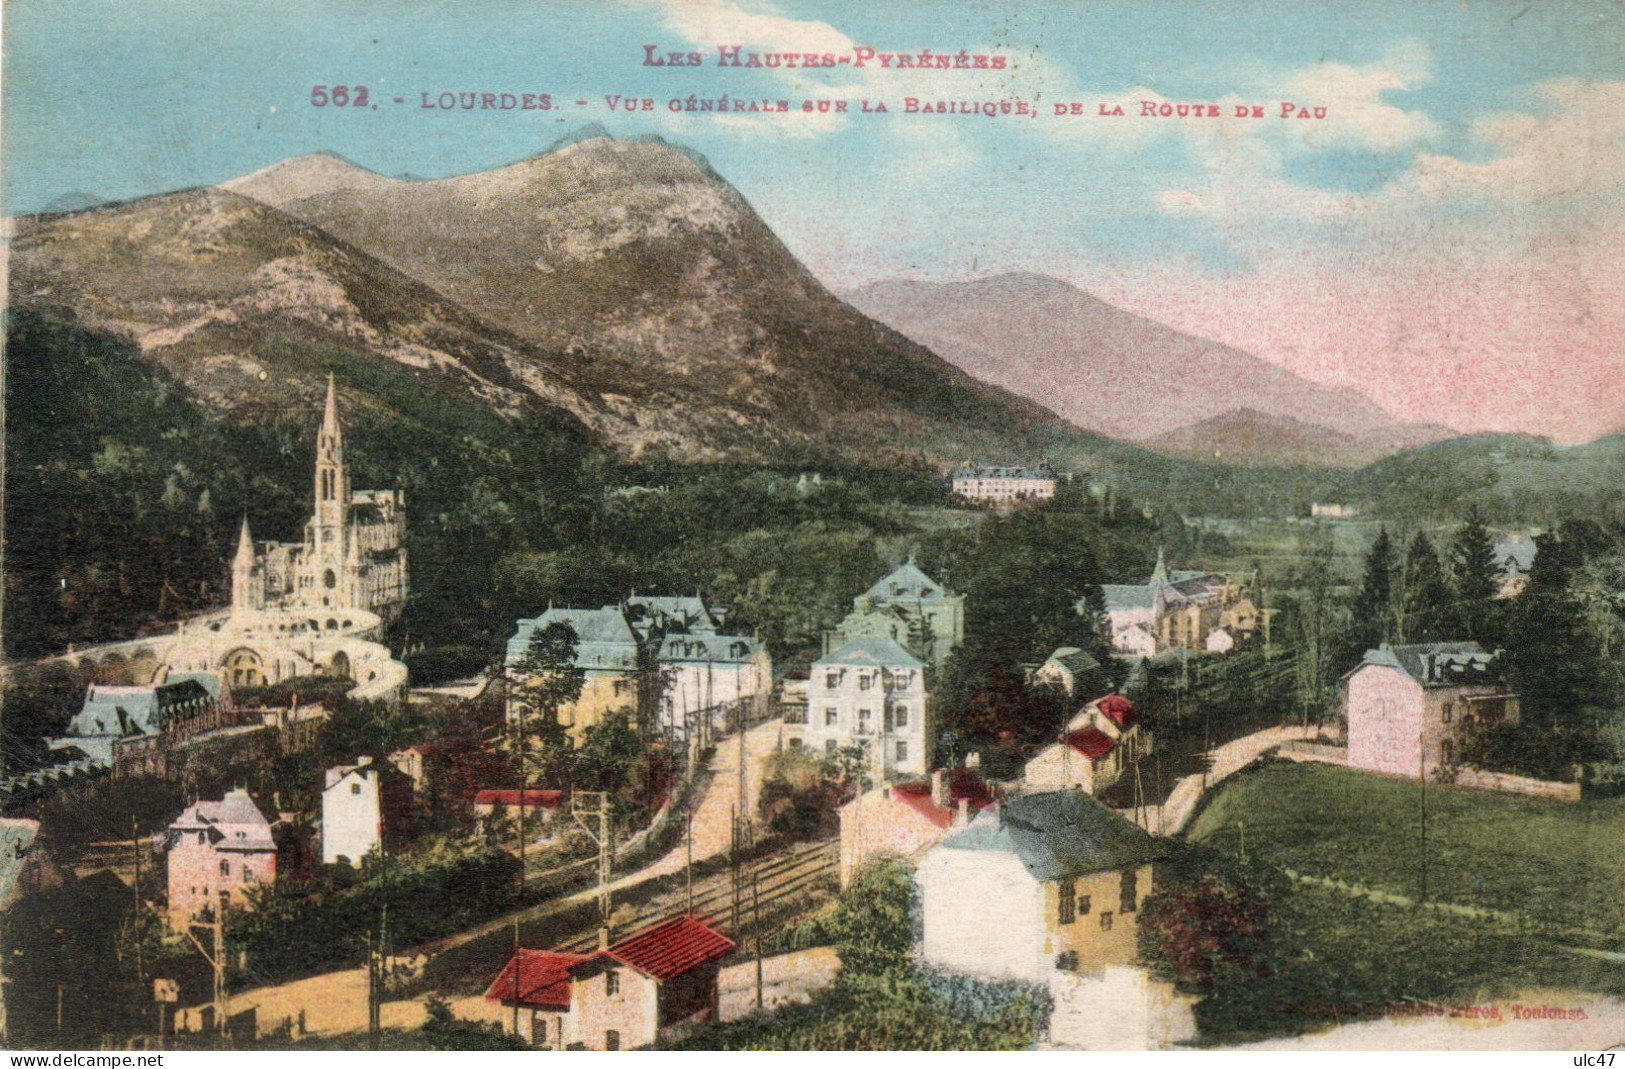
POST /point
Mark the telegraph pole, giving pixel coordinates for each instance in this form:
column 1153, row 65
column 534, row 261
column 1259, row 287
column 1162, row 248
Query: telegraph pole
column 135, row 849
column 216, row 959
column 688, row 840
column 756, row 927
column 1422, row 777
column 595, row 806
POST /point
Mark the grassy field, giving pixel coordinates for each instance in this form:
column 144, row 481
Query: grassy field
column 1551, row 863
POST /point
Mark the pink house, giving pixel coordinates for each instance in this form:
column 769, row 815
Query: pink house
column 1410, row 708
column 221, row 850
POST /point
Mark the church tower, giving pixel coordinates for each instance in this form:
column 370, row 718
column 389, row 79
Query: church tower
column 330, row 526
column 247, row 585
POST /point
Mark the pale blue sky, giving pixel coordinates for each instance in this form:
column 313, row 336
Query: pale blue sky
column 1431, row 104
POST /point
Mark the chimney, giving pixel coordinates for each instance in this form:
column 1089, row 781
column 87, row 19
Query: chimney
column 962, row 814
column 603, row 938
column 939, row 787
column 973, row 761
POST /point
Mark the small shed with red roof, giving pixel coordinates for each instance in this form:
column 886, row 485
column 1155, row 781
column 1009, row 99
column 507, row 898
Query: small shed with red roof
column 537, row 806
column 621, row 997
column 535, row 988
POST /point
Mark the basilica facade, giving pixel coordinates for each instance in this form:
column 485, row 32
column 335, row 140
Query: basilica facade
column 353, row 555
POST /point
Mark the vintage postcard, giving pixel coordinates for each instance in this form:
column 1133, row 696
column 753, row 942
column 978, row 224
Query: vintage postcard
column 539, row 525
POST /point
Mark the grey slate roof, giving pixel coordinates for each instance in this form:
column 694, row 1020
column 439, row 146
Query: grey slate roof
column 233, row 823
column 606, row 626
column 1058, row 834
column 1121, row 596
column 913, row 583
column 1438, row 664
column 1074, row 659
column 873, row 651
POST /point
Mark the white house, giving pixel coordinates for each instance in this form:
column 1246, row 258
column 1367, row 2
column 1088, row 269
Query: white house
column 1411, row 708
column 875, row 694
column 1033, row 884
column 365, row 807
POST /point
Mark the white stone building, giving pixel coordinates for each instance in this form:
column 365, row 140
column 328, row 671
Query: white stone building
column 1004, row 485
column 875, row 694
column 366, row 807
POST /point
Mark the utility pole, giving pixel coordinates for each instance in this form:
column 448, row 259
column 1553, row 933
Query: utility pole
column 1422, row 777
column 595, row 806
column 734, row 881
column 688, row 840
column 756, row 928
column 516, row 967
column 216, row 959
column 135, row 849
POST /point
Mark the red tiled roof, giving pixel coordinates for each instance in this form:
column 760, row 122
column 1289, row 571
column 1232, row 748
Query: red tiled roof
column 534, row 799
column 544, row 979
column 671, row 948
column 1119, row 710
column 963, row 785
column 1091, row 743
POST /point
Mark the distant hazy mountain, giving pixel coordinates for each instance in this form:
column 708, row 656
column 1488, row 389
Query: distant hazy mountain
column 1252, row 438
column 1101, row 367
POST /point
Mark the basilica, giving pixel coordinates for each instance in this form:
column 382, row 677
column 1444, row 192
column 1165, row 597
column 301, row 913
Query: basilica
column 353, row 554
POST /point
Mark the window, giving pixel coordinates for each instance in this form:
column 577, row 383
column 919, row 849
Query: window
column 829, row 745
column 865, row 681
column 1448, row 711
column 830, row 680
column 355, row 788
column 1084, row 905
column 225, row 868
column 902, row 750
column 1105, row 922
column 832, row 716
column 612, row 1040
column 612, row 983
column 1130, row 891
column 1067, row 906
column 900, row 716
column 865, row 721
column 795, row 744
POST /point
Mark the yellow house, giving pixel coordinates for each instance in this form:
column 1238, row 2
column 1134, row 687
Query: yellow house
column 1034, row 884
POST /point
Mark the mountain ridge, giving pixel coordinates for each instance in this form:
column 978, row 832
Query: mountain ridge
column 1100, row 367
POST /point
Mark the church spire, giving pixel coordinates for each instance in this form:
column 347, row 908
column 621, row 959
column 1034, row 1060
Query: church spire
column 330, row 417
column 1159, row 574
column 245, row 547
column 246, row 594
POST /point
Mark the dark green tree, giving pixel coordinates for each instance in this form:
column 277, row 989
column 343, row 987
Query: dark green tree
column 1557, row 667
column 1373, row 607
column 539, row 685
column 1423, row 602
column 1475, row 580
